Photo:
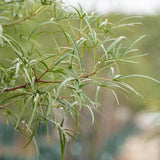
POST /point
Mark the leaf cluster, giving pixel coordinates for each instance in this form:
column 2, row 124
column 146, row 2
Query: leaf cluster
column 43, row 70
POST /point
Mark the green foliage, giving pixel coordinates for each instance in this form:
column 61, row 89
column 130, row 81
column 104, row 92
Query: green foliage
column 43, row 74
column 148, row 65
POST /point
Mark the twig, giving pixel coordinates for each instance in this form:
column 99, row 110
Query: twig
column 51, row 64
column 24, row 19
column 3, row 106
column 42, row 81
column 88, row 75
column 15, row 88
column 34, row 72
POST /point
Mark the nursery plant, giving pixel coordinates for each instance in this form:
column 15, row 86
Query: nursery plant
column 50, row 52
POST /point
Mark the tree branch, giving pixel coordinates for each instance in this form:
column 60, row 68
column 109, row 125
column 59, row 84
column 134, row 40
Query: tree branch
column 24, row 19
column 43, row 81
column 88, row 75
column 4, row 106
column 15, row 88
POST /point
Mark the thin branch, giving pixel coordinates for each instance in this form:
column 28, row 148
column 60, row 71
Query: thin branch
column 38, row 81
column 42, row 81
column 4, row 106
column 65, row 50
column 34, row 72
column 88, row 75
column 51, row 64
column 15, row 88
column 24, row 19
column 82, row 76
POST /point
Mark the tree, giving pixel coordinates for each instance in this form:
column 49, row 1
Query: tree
column 50, row 52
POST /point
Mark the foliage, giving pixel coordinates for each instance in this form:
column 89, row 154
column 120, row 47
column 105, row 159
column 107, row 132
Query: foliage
column 43, row 70
column 148, row 64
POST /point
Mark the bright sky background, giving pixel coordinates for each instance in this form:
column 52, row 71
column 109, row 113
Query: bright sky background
column 125, row 6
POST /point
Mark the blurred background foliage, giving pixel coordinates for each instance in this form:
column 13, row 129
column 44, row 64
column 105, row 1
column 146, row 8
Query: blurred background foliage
column 113, row 130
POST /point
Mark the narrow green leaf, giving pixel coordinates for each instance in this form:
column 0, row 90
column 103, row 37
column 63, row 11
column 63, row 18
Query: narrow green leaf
column 131, row 45
column 49, row 108
column 33, row 83
column 48, row 22
column 77, row 122
column 105, row 51
column 13, row 98
column 138, row 75
column 34, row 111
column 23, row 110
column 47, row 128
column 118, row 50
column 115, row 42
column 92, row 114
column 2, row 17
column 62, row 85
column 79, row 55
column 129, row 87
column 127, row 18
column 94, row 39
column 61, row 59
column 96, row 96
column 136, row 56
column 27, row 74
column 17, row 69
column 115, row 95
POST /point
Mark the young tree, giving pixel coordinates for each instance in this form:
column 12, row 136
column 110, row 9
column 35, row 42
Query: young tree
column 50, row 52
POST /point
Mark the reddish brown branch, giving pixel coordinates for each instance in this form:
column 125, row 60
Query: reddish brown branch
column 15, row 88
column 42, row 81
column 38, row 81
